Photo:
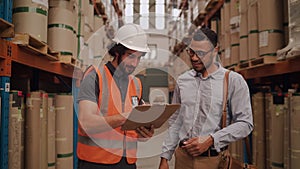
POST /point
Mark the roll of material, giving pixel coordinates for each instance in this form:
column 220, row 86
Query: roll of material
column 66, row 4
column 243, row 48
column 235, row 54
column 31, row 18
column 269, row 103
column 243, row 31
column 269, row 42
column 16, row 131
column 61, row 31
column 51, row 134
column 234, row 19
column 33, row 131
column 295, row 132
column 253, row 50
column 258, row 134
column 234, row 8
column 227, row 16
column 64, row 131
column 286, row 22
column 276, row 134
column 270, row 26
column 44, row 130
column 235, row 48
column 64, row 162
column 222, row 21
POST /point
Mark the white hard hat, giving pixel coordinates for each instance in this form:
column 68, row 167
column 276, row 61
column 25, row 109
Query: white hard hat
column 133, row 37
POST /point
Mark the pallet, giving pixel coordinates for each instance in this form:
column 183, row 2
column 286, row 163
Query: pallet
column 244, row 65
column 70, row 60
column 30, row 43
column 53, row 54
column 233, row 67
column 264, row 60
column 6, row 29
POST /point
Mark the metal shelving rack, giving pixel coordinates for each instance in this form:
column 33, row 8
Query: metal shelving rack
column 5, row 71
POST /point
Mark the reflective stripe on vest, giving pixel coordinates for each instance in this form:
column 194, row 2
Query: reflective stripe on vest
column 106, row 144
column 107, row 147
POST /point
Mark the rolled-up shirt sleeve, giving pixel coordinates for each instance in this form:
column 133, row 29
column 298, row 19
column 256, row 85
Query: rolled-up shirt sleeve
column 172, row 138
column 239, row 107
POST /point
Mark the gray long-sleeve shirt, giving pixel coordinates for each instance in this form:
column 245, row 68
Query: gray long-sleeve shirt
column 201, row 110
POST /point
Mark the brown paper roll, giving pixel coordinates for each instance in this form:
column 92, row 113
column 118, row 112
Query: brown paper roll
column 33, row 131
column 253, row 49
column 227, row 16
column 61, row 30
column 243, row 48
column 235, row 54
column 31, row 18
column 276, row 135
column 64, row 130
column 66, row 4
column 44, row 130
column 258, row 134
column 270, row 42
column 51, row 134
column 64, row 163
column 16, row 131
column 222, row 21
column 270, row 26
column 286, row 23
column 269, row 103
column 295, row 134
column 234, row 8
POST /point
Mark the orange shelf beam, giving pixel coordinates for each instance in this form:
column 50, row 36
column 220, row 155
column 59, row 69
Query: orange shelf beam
column 279, row 68
column 25, row 57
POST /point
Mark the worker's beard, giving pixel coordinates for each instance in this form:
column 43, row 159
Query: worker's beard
column 126, row 69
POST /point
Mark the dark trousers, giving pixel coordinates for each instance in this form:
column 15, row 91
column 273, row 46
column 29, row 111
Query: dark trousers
column 120, row 165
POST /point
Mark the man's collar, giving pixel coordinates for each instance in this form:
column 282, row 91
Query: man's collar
column 214, row 75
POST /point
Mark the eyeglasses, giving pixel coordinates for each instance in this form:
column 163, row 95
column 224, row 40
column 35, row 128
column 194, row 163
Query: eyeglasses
column 199, row 53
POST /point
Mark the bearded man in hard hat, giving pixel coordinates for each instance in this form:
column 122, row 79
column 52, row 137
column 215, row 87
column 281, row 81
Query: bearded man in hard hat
column 107, row 96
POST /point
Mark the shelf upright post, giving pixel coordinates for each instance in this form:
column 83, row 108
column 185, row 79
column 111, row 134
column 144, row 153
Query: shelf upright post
column 4, row 92
column 75, row 91
column 6, row 10
column 5, row 73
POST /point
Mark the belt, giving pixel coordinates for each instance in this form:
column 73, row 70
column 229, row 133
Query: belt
column 211, row 152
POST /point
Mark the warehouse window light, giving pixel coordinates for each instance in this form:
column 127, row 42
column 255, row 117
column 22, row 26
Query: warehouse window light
column 160, row 14
column 129, row 11
column 144, row 13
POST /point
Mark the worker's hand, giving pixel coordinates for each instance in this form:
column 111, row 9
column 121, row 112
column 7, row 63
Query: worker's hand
column 163, row 164
column 144, row 133
column 197, row 145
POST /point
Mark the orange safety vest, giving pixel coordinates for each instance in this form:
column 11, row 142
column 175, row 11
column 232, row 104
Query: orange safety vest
column 107, row 147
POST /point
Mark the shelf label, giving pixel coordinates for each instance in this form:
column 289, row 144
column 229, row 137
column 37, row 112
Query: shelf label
column 7, row 87
column 263, row 39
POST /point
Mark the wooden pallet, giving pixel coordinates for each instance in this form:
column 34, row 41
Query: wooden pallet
column 233, row 68
column 6, row 29
column 53, row 55
column 30, row 43
column 70, row 60
column 264, row 60
column 244, row 65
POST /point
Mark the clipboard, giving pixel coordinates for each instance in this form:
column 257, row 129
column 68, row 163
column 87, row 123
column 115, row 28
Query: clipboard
column 146, row 115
